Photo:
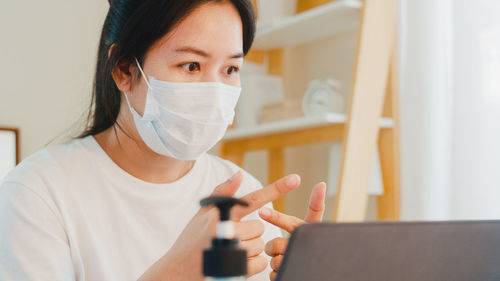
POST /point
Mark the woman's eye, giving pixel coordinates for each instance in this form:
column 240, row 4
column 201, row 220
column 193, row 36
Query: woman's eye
column 191, row 66
column 232, row 69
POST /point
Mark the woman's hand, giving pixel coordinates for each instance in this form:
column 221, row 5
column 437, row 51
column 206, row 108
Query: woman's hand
column 276, row 247
column 184, row 259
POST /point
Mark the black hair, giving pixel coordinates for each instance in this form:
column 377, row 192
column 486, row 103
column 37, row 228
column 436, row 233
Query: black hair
column 132, row 27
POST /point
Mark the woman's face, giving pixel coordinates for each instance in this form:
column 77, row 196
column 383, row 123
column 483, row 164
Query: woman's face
column 206, row 46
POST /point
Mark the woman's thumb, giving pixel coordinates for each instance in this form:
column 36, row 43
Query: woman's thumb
column 229, row 187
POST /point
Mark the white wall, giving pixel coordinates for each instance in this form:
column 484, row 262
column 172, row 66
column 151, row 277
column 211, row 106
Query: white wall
column 47, row 54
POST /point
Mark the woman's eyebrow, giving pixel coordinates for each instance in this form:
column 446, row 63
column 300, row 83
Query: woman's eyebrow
column 196, row 51
column 237, row 56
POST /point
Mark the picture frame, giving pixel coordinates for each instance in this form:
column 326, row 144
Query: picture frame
column 9, row 150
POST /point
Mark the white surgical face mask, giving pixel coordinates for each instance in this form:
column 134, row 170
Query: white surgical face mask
column 185, row 120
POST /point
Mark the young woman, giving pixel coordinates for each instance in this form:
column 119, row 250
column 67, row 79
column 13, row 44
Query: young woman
column 121, row 201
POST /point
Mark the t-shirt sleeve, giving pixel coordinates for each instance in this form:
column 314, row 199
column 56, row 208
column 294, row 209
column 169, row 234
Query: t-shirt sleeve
column 33, row 243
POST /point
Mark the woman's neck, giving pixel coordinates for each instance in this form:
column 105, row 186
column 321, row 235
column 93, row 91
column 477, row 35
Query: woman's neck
column 131, row 154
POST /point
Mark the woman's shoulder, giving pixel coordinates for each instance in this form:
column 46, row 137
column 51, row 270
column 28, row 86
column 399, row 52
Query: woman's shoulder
column 46, row 164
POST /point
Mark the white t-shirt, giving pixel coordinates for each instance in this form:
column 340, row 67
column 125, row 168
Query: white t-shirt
column 68, row 212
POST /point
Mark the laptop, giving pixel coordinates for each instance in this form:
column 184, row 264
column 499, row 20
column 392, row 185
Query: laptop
column 393, row 251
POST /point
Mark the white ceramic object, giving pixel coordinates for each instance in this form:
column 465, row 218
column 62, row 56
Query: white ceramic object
column 257, row 90
column 323, row 97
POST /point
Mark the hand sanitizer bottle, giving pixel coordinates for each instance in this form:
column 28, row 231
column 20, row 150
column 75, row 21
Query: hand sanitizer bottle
column 224, row 261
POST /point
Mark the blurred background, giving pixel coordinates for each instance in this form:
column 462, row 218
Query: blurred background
column 448, row 90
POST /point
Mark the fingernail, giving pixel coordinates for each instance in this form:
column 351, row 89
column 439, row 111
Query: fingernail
column 235, row 176
column 292, row 180
column 265, row 212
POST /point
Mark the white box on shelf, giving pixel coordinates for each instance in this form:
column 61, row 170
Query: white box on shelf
column 257, row 90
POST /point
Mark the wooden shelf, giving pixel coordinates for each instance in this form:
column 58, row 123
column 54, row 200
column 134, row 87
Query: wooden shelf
column 295, row 124
column 318, row 23
column 375, row 84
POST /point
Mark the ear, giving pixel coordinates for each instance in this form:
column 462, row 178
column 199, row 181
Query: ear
column 122, row 72
column 122, row 76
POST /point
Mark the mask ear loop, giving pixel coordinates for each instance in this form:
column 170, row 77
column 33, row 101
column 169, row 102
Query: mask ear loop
column 142, row 73
column 145, row 80
column 153, row 110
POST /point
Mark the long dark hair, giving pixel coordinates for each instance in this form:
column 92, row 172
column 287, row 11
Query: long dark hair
column 133, row 26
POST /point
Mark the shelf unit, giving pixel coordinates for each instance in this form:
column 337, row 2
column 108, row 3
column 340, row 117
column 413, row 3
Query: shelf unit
column 338, row 16
column 373, row 95
column 295, row 124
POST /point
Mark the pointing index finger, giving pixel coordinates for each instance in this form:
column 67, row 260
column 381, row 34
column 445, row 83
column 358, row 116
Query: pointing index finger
column 283, row 221
column 316, row 206
column 261, row 197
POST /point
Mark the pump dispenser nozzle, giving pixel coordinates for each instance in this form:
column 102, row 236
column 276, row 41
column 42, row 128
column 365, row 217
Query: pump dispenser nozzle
column 224, row 259
column 224, row 204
